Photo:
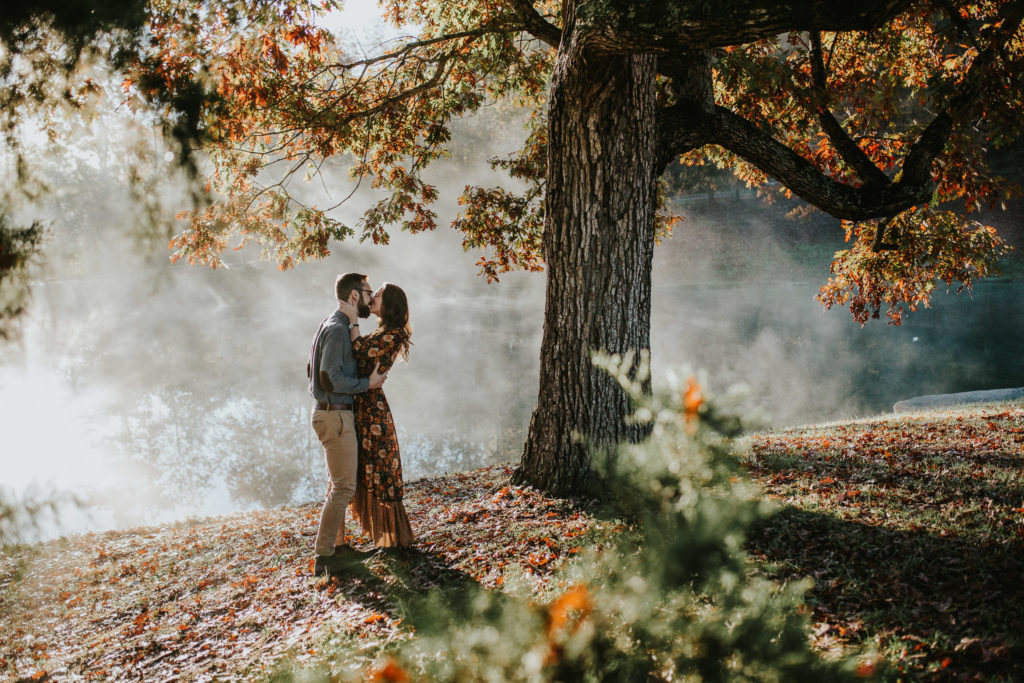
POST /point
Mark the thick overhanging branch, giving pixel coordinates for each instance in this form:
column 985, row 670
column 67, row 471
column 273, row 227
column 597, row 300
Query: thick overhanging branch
column 668, row 26
column 682, row 128
column 742, row 137
column 686, row 123
column 536, row 25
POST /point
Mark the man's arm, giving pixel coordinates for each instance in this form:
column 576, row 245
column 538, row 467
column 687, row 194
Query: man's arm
column 337, row 352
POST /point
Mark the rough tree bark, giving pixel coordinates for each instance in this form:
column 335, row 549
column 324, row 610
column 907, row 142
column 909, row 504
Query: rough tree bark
column 598, row 246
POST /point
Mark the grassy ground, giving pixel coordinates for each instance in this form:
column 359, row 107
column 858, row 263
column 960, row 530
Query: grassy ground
column 911, row 526
column 233, row 598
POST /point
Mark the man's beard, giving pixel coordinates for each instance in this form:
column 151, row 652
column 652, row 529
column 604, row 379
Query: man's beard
column 364, row 310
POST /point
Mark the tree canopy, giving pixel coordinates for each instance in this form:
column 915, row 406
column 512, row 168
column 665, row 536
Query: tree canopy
column 879, row 112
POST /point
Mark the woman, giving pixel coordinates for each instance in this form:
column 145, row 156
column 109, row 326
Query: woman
column 378, row 501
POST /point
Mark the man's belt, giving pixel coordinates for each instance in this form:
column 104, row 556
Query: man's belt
column 334, row 406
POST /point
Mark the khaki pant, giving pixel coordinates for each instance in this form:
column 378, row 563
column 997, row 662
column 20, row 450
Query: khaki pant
column 337, row 433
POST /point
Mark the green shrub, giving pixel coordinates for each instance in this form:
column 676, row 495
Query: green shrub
column 672, row 598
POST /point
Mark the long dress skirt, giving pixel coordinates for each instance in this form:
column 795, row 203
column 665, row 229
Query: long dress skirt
column 378, row 501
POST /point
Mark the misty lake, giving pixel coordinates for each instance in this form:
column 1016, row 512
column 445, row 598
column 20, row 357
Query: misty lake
column 465, row 398
column 810, row 365
column 183, row 391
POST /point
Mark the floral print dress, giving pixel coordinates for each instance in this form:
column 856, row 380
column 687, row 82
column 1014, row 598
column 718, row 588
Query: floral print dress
column 378, row 501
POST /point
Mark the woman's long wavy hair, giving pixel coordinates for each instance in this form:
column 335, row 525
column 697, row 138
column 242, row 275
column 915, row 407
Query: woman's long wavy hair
column 394, row 315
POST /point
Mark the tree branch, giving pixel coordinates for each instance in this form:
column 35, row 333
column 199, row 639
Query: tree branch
column 849, row 150
column 320, row 116
column 742, row 137
column 878, row 243
column 407, row 48
column 918, row 163
column 688, row 124
column 667, row 26
column 682, row 126
column 535, row 24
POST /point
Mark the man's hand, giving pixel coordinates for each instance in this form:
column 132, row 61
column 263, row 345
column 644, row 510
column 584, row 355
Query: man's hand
column 377, row 377
column 350, row 310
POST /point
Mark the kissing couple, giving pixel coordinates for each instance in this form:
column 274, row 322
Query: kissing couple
column 351, row 417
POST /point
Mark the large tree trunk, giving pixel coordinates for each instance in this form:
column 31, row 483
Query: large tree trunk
column 598, row 248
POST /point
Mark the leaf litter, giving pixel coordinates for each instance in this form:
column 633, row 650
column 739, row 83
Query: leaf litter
column 911, row 528
column 233, row 597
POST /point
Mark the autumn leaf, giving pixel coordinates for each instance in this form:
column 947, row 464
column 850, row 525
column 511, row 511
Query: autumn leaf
column 388, row 672
column 866, row 669
column 575, row 602
column 692, row 400
column 567, row 611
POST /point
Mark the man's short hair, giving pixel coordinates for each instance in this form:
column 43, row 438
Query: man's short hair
column 346, row 284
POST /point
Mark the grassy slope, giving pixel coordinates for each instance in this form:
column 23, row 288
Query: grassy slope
column 912, row 528
column 233, row 598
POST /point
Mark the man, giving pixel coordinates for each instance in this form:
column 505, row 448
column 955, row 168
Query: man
column 333, row 382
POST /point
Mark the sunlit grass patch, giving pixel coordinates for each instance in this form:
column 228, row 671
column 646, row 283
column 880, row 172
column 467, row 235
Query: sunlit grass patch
column 912, row 527
column 233, row 597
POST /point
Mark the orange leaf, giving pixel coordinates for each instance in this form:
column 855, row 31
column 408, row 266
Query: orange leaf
column 389, row 672
column 576, row 599
column 866, row 670
column 692, row 400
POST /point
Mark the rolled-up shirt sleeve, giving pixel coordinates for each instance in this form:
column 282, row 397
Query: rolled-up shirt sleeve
column 335, row 357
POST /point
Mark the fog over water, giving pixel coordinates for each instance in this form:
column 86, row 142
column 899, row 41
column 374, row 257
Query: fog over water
column 157, row 391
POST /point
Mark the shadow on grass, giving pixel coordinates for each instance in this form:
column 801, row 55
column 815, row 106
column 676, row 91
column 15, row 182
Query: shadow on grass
column 942, row 473
column 963, row 600
column 396, row 581
column 419, row 571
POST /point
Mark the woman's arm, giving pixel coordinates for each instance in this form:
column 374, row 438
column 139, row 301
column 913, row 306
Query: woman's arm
column 352, row 313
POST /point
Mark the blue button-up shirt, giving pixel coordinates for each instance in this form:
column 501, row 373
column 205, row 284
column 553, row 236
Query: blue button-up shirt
column 332, row 352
